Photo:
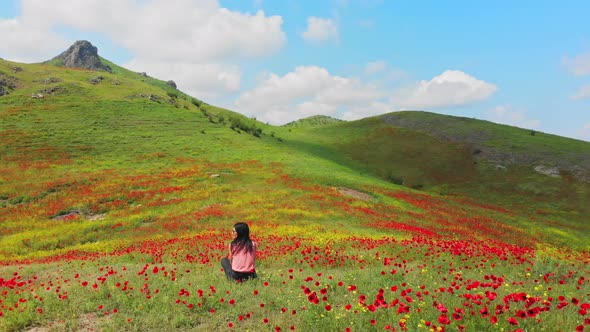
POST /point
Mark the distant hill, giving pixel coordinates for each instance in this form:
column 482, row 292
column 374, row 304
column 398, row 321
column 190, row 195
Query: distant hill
column 460, row 156
column 313, row 121
column 501, row 144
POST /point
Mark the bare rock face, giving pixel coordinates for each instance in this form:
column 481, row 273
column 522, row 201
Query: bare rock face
column 82, row 54
column 6, row 84
column 171, row 83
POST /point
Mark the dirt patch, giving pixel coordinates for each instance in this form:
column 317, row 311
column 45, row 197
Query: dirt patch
column 355, row 194
column 38, row 329
column 68, row 215
column 548, row 170
column 86, row 323
column 93, row 217
column 77, row 213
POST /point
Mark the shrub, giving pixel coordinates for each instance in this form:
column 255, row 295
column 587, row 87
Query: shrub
column 395, row 179
column 196, row 102
column 238, row 125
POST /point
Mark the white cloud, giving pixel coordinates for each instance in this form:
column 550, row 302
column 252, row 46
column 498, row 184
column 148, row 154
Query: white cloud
column 510, row 115
column 311, row 90
column 204, row 81
column 304, row 92
column 168, row 34
column 451, row 88
column 320, row 30
column 582, row 93
column 579, row 65
column 159, row 29
column 22, row 42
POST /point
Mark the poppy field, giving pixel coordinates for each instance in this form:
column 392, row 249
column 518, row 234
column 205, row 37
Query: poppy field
column 139, row 249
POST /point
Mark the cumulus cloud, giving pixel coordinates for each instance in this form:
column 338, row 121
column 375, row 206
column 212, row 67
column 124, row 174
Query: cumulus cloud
column 205, row 81
column 170, row 34
column 578, row 65
column 320, row 30
column 510, row 115
column 306, row 91
column 172, row 30
column 26, row 41
column 311, row 90
column 582, row 93
column 451, row 88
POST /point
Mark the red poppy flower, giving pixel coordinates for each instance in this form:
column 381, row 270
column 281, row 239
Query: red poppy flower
column 484, row 312
column 443, row 319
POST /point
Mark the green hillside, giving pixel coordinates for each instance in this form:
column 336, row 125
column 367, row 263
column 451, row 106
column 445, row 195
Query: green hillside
column 130, row 121
column 313, row 121
column 118, row 193
column 459, row 156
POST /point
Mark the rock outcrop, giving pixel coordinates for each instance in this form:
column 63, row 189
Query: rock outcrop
column 171, row 83
column 6, row 84
column 82, row 54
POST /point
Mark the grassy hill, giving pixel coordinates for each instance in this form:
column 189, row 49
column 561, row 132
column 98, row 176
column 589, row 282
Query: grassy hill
column 313, row 121
column 459, row 156
column 117, row 194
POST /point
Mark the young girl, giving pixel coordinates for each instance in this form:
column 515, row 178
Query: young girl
column 240, row 263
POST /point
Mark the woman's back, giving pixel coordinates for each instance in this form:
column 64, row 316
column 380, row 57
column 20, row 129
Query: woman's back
column 243, row 260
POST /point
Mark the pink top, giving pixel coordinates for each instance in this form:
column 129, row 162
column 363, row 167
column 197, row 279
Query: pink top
column 243, row 261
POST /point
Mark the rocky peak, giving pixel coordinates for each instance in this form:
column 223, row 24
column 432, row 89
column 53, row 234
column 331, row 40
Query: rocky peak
column 82, row 54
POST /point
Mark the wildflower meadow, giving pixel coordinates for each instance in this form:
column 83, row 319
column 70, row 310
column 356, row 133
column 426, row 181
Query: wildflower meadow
column 116, row 209
column 329, row 260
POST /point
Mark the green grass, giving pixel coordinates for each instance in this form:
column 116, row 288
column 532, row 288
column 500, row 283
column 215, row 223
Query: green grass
column 312, row 121
column 99, row 177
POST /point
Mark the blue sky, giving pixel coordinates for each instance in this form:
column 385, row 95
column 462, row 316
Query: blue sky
column 522, row 63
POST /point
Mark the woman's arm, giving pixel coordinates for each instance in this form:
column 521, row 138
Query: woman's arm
column 229, row 255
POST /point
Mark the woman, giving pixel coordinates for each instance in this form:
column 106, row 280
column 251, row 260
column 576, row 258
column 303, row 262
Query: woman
column 240, row 263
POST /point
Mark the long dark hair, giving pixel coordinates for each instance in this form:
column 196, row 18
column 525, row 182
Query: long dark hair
column 242, row 240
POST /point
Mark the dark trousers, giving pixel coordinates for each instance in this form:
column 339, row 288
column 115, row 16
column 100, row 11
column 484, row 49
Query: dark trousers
column 235, row 275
